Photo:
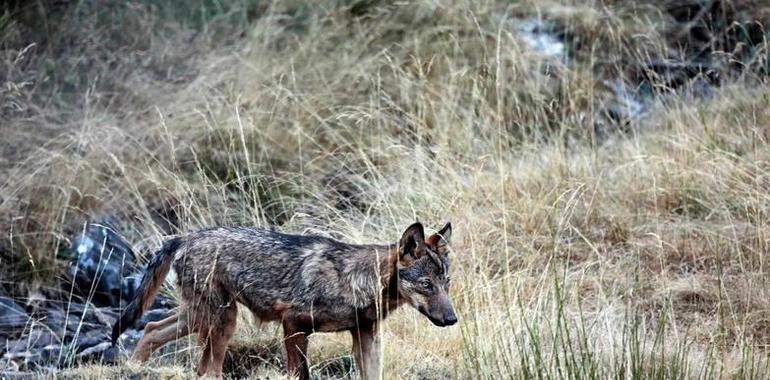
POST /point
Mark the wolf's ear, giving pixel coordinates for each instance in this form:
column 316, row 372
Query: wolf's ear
column 440, row 239
column 446, row 233
column 412, row 243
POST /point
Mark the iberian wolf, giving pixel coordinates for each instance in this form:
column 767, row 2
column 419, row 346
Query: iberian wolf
column 307, row 283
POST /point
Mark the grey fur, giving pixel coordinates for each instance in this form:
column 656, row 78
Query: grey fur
column 308, row 283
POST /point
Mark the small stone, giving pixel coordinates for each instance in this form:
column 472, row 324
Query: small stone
column 129, row 339
column 49, row 355
column 103, row 352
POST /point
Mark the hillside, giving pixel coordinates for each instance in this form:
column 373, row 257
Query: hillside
column 604, row 165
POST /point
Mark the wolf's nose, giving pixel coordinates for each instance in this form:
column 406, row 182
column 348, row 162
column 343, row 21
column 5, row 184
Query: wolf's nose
column 450, row 319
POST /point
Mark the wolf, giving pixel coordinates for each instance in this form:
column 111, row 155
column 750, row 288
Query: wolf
column 307, row 283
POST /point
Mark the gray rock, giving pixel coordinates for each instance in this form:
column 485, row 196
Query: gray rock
column 90, row 338
column 39, row 336
column 13, row 318
column 129, row 339
column 537, row 36
column 49, row 356
column 33, row 359
column 24, row 361
column 71, row 323
column 103, row 352
column 59, row 323
column 11, row 374
column 102, row 261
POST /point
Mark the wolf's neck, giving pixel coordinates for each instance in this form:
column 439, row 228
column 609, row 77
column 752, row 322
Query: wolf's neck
column 389, row 280
column 371, row 275
column 386, row 257
column 380, row 263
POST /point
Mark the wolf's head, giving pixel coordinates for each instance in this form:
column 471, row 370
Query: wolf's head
column 423, row 273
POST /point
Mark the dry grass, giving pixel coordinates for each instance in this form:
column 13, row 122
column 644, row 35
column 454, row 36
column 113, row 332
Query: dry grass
column 584, row 248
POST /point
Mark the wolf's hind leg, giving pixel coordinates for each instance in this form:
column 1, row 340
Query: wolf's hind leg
column 203, row 364
column 218, row 339
column 160, row 324
column 160, row 336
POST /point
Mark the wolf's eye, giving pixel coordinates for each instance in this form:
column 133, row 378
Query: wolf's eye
column 425, row 284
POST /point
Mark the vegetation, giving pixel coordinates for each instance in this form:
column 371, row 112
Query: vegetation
column 592, row 239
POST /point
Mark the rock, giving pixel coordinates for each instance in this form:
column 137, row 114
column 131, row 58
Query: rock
column 106, row 316
column 13, row 318
column 129, row 339
column 536, row 35
column 58, row 322
column 77, row 329
column 38, row 337
column 90, row 338
column 163, row 302
column 12, row 374
column 24, row 361
column 71, row 323
column 49, row 356
column 33, row 359
column 102, row 261
column 103, row 352
column 91, row 315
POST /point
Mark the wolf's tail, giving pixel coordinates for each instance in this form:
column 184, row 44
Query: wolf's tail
column 156, row 272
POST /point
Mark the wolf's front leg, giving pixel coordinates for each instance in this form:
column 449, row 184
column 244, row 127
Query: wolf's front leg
column 366, row 351
column 295, row 341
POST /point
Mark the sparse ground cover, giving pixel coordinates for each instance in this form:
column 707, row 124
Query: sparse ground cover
column 604, row 164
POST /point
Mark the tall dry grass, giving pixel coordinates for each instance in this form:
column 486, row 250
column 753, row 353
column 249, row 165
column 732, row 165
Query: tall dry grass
column 585, row 247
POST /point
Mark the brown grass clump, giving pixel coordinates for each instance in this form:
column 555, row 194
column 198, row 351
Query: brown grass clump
column 591, row 243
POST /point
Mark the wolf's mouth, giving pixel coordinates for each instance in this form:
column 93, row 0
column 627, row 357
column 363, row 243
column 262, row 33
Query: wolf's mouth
column 437, row 322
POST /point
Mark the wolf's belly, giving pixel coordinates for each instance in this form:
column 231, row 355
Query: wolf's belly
column 325, row 320
column 312, row 318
